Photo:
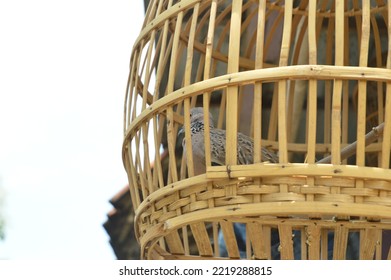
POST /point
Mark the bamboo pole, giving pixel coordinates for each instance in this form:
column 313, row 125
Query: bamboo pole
column 351, row 149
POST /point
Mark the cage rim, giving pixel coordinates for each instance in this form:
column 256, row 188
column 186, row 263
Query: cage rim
column 295, row 72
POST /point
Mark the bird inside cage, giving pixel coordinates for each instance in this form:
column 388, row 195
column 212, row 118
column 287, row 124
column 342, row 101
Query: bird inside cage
column 245, row 148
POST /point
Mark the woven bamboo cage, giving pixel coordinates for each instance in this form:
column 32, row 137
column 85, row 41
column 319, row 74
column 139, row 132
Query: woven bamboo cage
column 309, row 80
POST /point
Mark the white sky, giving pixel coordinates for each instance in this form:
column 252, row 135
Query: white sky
column 63, row 74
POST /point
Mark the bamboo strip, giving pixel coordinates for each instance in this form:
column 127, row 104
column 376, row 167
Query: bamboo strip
column 324, row 244
column 152, row 11
column 386, row 147
column 340, row 243
column 138, row 163
column 312, row 90
column 351, row 149
column 368, row 246
column 190, row 46
column 129, row 92
column 303, row 245
column 345, row 85
column 157, row 164
column 161, row 65
column 171, row 145
column 189, row 148
column 345, row 115
column 278, row 209
column 336, row 123
column 379, row 63
column 284, row 55
column 361, row 118
column 216, row 242
column 232, row 91
column 273, row 119
column 249, row 252
column 298, row 223
column 148, row 71
column 256, row 237
column 188, row 156
column 174, row 54
column 173, row 241
column 313, row 233
column 282, row 129
column 144, row 128
column 268, row 236
column 207, row 67
column 257, row 111
column 388, row 20
column 328, row 89
column 230, row 239
column 381, row 8
column 287, row 31
column 147, row 162
column 135, row 93
column 339, row 32
column 286, row 242
column 337, row 91
column 132, row 178
column 202, row 239
column 275, row 170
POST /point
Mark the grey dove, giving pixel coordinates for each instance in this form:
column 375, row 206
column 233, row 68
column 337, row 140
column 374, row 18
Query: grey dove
column 245, row 151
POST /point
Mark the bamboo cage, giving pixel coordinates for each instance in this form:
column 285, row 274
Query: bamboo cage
column 308, row 80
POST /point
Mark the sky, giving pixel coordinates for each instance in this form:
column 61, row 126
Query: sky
column 63, row 75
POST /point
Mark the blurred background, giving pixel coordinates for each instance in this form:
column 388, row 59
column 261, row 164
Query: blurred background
column 63, row 74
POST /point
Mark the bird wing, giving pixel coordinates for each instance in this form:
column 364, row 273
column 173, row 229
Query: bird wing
column 217, row 143
column 245, row 149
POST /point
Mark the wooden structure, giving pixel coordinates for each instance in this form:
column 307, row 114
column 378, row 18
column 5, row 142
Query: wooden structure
column 305, row 79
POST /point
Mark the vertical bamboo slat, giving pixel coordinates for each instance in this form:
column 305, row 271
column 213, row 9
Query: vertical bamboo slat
column 362, row 94
column 286, row 40
column 340, row 243
column 232, row 91
column 336, row 110
column 314, row 233
column 286, row 247
column 257, row 116
column 312, row 89
column 228, row 233
column 256, row 234
column 386, row 147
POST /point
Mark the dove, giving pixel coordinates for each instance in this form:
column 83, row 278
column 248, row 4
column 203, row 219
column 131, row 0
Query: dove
column 245, row 147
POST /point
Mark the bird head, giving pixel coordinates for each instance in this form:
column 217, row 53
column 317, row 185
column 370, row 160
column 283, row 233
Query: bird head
column 197, row 116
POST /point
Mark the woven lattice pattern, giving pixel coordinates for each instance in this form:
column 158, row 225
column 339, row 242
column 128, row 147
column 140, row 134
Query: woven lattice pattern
column 310, row 81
